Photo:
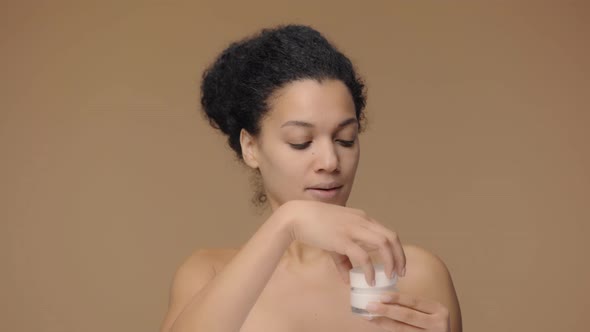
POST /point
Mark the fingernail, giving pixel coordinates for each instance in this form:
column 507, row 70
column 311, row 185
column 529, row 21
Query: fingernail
column 372, row 307
column 368, row 317
column 386, row 298
column 373, row 282
column 404, row 272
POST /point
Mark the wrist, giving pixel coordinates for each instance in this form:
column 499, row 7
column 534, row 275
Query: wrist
column 284, row 220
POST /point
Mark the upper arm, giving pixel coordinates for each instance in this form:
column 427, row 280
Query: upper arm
column 188, row 280
column 429, row 277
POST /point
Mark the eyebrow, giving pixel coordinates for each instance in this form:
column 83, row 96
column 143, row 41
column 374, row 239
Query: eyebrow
column 309, row 125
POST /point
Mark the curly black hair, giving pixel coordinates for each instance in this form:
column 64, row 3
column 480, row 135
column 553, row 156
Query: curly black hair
column 236, row 88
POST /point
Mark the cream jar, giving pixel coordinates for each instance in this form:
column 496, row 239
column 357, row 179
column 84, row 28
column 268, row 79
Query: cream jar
column 362, row 293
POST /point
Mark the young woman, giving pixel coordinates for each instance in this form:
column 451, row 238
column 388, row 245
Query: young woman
column 292, row 106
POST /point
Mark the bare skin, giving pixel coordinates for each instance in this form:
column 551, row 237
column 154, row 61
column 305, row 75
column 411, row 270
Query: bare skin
column 307, row 294
column 291, row 275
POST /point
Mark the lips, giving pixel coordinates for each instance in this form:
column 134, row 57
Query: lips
column 325, row 192
column 326, row 186
column 326, row 189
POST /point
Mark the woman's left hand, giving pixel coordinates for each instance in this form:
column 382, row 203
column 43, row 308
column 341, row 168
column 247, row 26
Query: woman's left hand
column 403, row 313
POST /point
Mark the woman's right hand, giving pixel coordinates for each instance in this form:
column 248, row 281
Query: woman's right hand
column 348, row 234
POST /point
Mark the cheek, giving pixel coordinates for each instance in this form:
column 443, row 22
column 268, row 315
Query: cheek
column 284, row 177
column 284, row 166
column 350, row 159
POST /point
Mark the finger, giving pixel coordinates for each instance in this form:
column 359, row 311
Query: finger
column 343, row 266
column 397, row 248
column 361, row 258
column 422, row 304
column 376, row 238
column 402, row 314
column 389, row 324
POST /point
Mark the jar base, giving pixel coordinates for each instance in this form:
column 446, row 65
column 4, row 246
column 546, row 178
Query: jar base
column 362, row 312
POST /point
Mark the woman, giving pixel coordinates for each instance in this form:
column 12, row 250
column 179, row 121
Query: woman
column 291, row 106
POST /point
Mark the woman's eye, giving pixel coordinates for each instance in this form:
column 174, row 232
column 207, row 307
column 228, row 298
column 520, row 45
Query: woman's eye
column 305, row 145
column 300, row 146
column 346, row 143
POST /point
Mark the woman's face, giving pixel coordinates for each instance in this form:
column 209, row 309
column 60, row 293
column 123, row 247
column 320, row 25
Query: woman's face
column 308, row 147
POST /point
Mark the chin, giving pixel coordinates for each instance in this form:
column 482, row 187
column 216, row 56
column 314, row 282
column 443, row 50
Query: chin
column 326, row 198
column 308, row 195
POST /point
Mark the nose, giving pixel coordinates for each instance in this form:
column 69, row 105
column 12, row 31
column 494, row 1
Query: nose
column 326, row 158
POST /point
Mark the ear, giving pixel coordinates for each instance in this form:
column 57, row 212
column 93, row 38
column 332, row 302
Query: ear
column 249, row 149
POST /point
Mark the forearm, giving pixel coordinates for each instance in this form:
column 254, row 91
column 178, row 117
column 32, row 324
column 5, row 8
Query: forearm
column 223, row 305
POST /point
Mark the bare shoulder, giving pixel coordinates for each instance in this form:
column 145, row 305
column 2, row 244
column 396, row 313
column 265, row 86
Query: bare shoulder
column 216, row 258
column 421, row 262
column 191, row 277
column 200, row 267
column 427, row 276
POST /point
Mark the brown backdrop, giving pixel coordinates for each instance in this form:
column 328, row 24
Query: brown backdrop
column 477, row 149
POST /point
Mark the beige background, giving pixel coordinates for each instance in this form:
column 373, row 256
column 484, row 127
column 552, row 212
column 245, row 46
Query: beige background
column 477, row 149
